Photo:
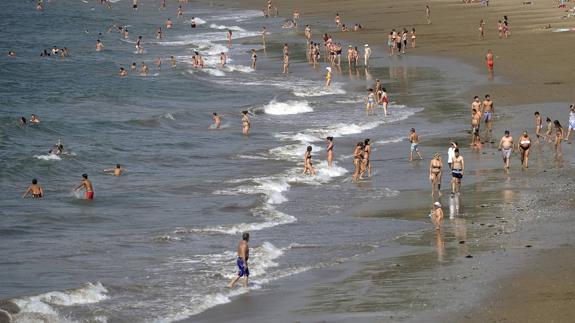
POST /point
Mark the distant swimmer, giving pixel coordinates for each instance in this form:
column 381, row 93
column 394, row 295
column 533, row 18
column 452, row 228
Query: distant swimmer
column 329, row 149
column 217, row 121
column 34, row 119
column 457, row 170
column 193, row 23
column 22, row 121
column 308, row 165
column 414, row 140
column 242, row 261
column 180, row 12
column 370, row 102
column 173, row 61
column 57, row 149
column 135, row 4
column 169, row 23
column 246, row 124
column 524, row 145
column 118, row 170
column 538, row 125
column 254, row 59
column 99, row 46
column 87, row 186
column 144, row 69
column 506, row 147
column 328, row 77
column 571, row 123
column 123, row 72
column 366, row 55
column 11, row 54
column 435, row 175
column 158, row 63
column 133, row 67
column 437, row 216
column 159, row 33
column 286, row 64
column 229, row 37
column 139, row 48
column 35, row 190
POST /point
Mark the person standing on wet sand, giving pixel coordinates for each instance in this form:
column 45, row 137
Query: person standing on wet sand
column 475, row 119
column 308, row 165
column 242, row 261
column 451, row 154
column 428, row 14
column 87, row 185
column 490, row 62
column 558, row 136
column 366, row 55
column 523, row 146
column 488, row 112
column 246, row 124
column 571, row 122
column 506, row 147
column 437, row 216
column 34, row 189
column 435, row 172
column 329, row 151
column 414, row 140
column 118, row 170
column 457, row 170
column 538, row 125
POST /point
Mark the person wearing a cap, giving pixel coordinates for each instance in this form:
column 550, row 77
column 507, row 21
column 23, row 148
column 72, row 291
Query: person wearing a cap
column 366, row 55
column 328, row 77
column 437, row 216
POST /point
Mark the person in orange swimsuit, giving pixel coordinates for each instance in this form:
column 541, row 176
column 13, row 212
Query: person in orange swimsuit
column 489, row 59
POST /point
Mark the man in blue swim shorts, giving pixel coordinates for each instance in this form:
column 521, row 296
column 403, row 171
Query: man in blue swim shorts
column 242, row 261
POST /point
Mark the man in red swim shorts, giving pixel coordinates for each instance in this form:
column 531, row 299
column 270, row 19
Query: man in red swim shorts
column 86, row 184
column 489, row 59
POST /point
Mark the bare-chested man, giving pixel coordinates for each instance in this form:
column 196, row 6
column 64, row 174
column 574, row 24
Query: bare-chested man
column 118, row 170
column 123, row 72
column 414, row 140
column 34, row 189
column 458, row 166
column 475, row 119
column 87, row 185
column 488, row 112
column 242, row 261
column 476, row 104
column 506, row 147
column 246, row 124
column 99, row 45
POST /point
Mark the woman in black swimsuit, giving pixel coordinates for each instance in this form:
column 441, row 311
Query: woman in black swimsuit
column 308, row 165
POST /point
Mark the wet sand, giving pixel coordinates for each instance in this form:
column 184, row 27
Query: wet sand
column 507, row 258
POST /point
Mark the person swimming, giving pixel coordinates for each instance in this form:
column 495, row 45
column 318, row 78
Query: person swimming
column 34, row 189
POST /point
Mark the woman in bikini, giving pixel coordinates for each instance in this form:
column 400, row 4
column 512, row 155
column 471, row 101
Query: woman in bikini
column 365, row 164
column 435, row 170
column 330, row 151
column 524, row 145
column 357, row 156
column 370, row 102
column 384, row 100
column 246, row 124
column 308, row 165
column 413, row 37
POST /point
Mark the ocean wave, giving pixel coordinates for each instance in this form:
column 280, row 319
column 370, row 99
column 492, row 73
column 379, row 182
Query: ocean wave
column 233, row 28
column 286, row 108
column 48, row 157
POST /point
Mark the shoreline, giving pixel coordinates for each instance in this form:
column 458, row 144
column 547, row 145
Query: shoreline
column 508, row 94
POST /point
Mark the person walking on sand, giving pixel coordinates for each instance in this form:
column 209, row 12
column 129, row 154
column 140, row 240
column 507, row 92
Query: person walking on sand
column 435, row 172
column 329, row 149
column 488, row 112
column 490, row 62
column 437, row 216
column 475, row 119
column 538, row 125
column 506, row 147
column 242, row 261
column 523, row 146
column 451, row 154
column 384, row 100
column 428, row 14
column 36, row 190
column 414, row 140
column 118, row 170
column 457, row 170
column 481, row 30
column 366, row 55
column 413, row 37
column 246, row 124
column 87, row 185
column 558, row 137
column 571, row 123
column 308, row 165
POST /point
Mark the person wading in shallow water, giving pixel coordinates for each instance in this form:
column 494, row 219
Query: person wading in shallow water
column 242, row 261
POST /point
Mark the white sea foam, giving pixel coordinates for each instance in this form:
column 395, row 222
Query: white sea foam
column 237, row 16
column 43, row 303
column 232, row 28
column 289, row 107
column 199, row 21
column 213, row 71
column 238, row 68
column 317, row 90
column 48, row 157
